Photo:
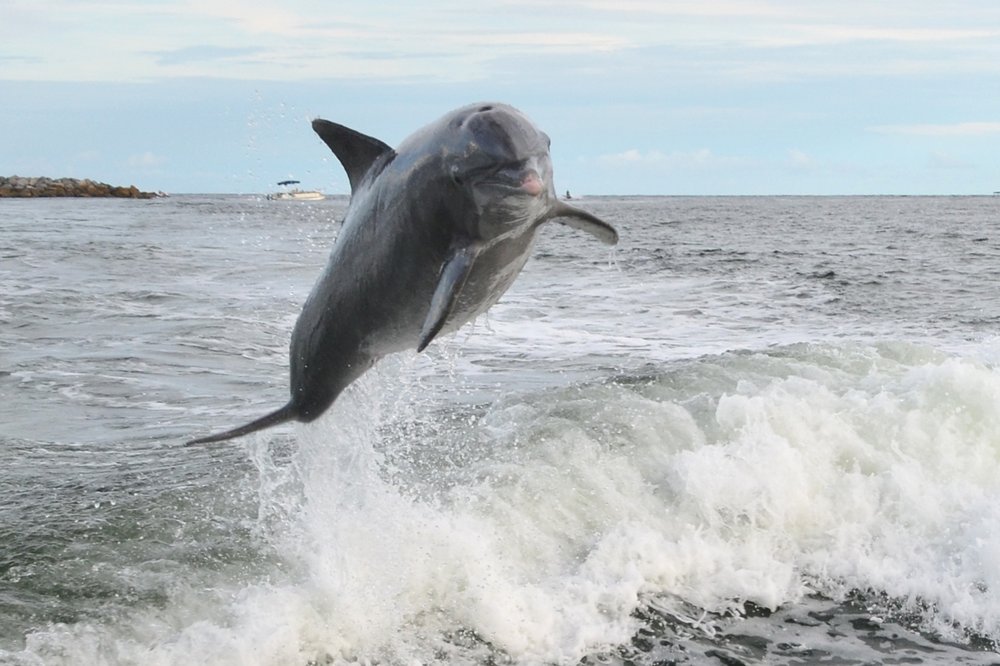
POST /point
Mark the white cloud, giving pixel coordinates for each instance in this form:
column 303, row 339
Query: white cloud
column 701, row 158
column 202, row 53
column 146, row 160
column 87, row 156
column 718, row 8
column 939, row 160
column 812, row 35
column 438, row 39
column 800, row 160
column 952, row 129
column 633, row 156
column 566, row 41
column 251, row 17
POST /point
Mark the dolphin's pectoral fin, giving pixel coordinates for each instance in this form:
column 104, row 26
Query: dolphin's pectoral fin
column 454, row 273
column 356, row 151
column 584, row 221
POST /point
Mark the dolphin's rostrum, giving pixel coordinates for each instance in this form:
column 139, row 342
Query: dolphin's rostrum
column 436, row 231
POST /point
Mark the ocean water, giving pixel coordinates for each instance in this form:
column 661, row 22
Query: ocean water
column 759, row 431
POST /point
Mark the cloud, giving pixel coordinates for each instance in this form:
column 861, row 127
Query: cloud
column 87, row 156
column 701, row 158
column 565, row 41
column 952, row 129
column 203, row 53
column 746, row 40
column 250, row 17
column 146, row 160
column 632, row 156
column 20, row 59
column 717, row 8
column 939, row 160
column 800, row 160
column 810, row 35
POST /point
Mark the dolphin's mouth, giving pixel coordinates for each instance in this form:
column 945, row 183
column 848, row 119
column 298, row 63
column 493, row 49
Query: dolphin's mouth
column 517, row 178
column 532, row 183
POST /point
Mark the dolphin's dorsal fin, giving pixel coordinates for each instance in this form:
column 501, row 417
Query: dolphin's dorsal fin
column 356, row 151
column 454, row 273
column 580, row 219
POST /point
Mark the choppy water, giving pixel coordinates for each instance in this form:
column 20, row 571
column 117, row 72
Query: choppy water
column 761, row 430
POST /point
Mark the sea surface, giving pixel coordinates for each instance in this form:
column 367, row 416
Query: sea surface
column 761, row 430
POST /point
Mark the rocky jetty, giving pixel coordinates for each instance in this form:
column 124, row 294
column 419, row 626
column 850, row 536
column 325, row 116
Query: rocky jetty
column 20, row 186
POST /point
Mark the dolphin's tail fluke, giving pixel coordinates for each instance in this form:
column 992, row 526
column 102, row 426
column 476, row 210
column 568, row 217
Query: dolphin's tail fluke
column 286, row 413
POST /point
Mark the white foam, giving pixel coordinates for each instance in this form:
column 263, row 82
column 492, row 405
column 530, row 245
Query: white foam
column 755, row 477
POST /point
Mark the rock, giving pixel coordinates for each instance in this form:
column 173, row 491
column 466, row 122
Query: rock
column 20, row 186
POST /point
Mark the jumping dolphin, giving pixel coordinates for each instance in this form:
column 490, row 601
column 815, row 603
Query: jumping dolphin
column 436, row 231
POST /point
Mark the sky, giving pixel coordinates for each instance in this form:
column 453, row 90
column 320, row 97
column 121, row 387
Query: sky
column 656, row 97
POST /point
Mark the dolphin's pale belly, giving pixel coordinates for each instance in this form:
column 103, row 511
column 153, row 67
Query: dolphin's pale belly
column 494, row 272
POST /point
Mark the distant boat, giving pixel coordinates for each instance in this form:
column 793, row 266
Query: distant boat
column 294, row 193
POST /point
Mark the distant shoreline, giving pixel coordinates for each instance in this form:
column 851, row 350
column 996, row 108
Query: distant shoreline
column 22, row 187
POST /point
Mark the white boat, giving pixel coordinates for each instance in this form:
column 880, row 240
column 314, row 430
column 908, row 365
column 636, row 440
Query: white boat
column 295, row 194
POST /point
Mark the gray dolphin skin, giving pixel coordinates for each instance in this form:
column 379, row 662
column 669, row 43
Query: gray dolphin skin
column 436, row 231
